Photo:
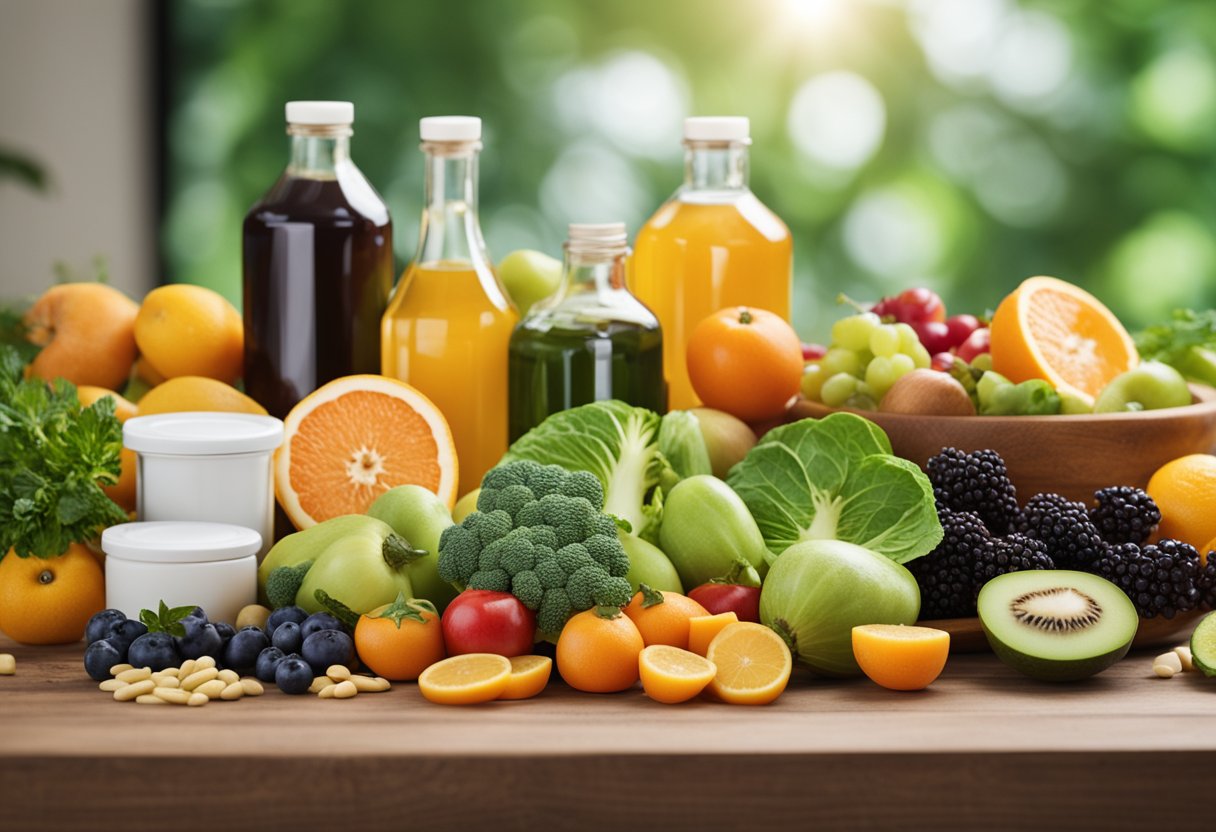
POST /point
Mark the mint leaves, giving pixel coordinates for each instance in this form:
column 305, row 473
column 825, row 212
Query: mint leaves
column 166, row 620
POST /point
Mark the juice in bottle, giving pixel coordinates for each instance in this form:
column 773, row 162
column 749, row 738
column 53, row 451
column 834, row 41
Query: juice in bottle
column 591, row 341
column 449, row 320
column 318, row 265
column 712, row 245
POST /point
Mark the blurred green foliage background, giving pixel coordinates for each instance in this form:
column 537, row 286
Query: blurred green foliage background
column 958, row 144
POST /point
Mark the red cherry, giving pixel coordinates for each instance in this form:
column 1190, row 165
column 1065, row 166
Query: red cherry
column 976, row 344
column 813, row 352
column 916, row 305
column 934, row 335
column 961, row 327
column 943, row 362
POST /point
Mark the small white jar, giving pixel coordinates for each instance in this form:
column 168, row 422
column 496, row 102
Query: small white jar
column 211, row 467
column 213, row 565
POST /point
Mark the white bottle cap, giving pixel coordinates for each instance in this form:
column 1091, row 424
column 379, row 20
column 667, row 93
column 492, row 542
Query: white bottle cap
column 450, row 129
column 717, row 129
column 609, row 233
column 320, row 112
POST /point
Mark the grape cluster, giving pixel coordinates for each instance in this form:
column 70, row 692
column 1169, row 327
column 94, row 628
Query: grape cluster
column 865, row 359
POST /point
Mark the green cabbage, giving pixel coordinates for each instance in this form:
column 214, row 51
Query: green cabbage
column 836, row 479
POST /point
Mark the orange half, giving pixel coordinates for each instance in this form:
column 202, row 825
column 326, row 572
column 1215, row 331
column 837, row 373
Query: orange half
column 1058, row 332
column 753, row 664
column 469, row 679
column 529, row 676
column 355, row 438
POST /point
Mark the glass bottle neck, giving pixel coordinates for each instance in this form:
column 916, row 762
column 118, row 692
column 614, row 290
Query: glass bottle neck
column 318, row 157
column 450, row 229
column 715, row 166
column 601, row 274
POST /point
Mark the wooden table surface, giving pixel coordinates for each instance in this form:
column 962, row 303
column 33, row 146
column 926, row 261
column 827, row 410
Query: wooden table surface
column 983, row 748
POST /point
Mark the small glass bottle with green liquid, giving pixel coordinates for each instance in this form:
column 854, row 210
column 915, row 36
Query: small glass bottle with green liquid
column 590, row 341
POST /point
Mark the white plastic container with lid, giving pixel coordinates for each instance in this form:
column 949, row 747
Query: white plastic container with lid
column 213, row 565
column 210, row 467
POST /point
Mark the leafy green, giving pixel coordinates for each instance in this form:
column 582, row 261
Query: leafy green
column 166, row 620
column 617, row 443
column 1187, row 342
column 53, row 455
column 836, row 479
column 683, row 445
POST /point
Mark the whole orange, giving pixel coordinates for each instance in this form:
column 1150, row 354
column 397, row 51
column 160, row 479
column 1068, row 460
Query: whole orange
column 400, row 640
column 597, row 654
column 50, row 600
column 86, row 331
column 662, row 617
column 1185, row 491
column 187, row 330
column 746, row 362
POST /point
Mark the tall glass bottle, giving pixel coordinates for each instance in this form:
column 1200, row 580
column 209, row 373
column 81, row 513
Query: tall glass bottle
column 592, row 340
column 449, row 319
column 318, row 265
column 712, row 245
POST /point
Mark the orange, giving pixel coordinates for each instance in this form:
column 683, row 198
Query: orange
column 753, row 663
column 703, row 628
column 186, row 394
column 671, row 675
column 1052, row 330
column 1185, row 491
column 746, row 362
column 400, row 640
column 50, row 600
column 466, row 680
column 662, row 617
column 186, row 330
column 899, row 657
column 355, row 438
column 529, row 676
column 598, row 654
column 123, row 491
column 87, row 334
column 146, row 373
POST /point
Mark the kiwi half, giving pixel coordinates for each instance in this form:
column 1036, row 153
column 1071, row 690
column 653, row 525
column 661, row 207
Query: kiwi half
column 1057, row 625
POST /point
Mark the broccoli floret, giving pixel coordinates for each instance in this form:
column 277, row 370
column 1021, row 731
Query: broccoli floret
column 510, row 499
column 491, row 526
column 520, row 556
column 283, row 583
column 586, row 485
column 603, row 549
column 543, row 536
column 603, row 524
column 554, row 611
column 613, row 592
column 550, row 573
column 459, row 550
column 573, row 558
column 527, row 588
column 547, row 479
column 582, row 586
column 495, row 580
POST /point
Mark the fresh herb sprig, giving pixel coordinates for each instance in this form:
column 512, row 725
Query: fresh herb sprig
column 54, row 457
column 1187, row 342
column 166, row 620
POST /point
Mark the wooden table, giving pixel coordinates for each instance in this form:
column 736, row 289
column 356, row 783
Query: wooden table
column 983, row 749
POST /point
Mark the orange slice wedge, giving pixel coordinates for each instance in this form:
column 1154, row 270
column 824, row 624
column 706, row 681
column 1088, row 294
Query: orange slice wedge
column 1055, row 331
column 466, row 680
column 355, row 438
column 753, row 664
column 672, row 675
column 899, row 657
column 529, row 676
column 703, row 628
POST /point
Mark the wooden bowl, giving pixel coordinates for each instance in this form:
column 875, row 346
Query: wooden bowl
column 1069, row 455
column 967, row 635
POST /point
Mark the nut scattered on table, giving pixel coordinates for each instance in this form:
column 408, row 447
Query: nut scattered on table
column 8, row 664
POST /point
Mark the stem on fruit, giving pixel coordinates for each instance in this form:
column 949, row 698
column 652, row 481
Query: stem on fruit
column 398, row 553
column 745, row 315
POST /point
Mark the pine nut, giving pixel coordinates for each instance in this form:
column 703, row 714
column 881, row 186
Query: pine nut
column 171, row 671
column 119, row 668
column 8, row 664
column 111, row 685
column 320, row 683
column 126, row 694
column 327, row 692
column 366, row 684
column 204, row 663
column 197, row 678
column 166, row 681
column 1171, row 660
column 1184, row 656
column 232, row 692
column 135, row 674
column 337, row 672
column 252, row 687
column 196, row 699
column 149, row 699
column 211, row 689
column 174, row 696
column 1164, row 671
column 228, row 677
column 186, row 669
column 345, row 690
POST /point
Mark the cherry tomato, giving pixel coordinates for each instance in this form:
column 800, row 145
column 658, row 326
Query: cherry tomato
column 976, row 344
column 943, row 362
column 913, row 306
column 933, row 335
column 961, row 327
column 481, row 621
column 743, row 601
column 746, row 362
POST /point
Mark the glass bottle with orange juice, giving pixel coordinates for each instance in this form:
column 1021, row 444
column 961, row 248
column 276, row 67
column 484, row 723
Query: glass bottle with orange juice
column 449, row 320
column 712, row 245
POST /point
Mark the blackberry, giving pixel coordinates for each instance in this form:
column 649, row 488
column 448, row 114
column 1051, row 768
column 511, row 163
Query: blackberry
column 946, row 575
column 976, row 482
column 1124, row 514
column 1015, row 553
column 1205, row 582
column 1160, row 579
column 1072, row 539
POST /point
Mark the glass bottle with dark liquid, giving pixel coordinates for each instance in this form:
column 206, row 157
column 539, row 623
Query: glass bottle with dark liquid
column 318, row 265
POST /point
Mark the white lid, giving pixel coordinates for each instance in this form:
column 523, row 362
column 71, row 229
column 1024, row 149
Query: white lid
column 717, row 129
column 202, row 434
column 174, row 541
column 450, row 128
column 320, row 112
column 602, row 232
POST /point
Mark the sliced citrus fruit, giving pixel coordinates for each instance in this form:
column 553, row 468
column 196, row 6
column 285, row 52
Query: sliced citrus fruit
column 355, row 438
column 529, row 675
column 899, row 657
column 1184, row 489
column 1052, row 330
column 753, row 664
column 466, row 680
column 703, row 628
column 672, row 675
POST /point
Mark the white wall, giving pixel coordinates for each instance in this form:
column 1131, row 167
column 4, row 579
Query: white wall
column 74, row 94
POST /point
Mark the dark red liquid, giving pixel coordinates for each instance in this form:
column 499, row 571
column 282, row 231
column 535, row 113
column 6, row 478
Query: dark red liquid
column 317, row 277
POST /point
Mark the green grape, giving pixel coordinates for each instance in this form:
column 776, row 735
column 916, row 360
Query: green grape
column 813, row 377
column 982, row 362
column 837, row 389
column 884, row 341
column 920, row 356
column 860, row 402
column 853, row 332
column 841, row 360
column 908, row 339
column 880, row 375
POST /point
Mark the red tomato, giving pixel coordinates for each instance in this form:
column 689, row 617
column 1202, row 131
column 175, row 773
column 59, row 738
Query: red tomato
column 743, row 601
column 481, row 621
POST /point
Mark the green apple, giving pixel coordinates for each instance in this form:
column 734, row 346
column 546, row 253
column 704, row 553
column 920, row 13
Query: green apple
column 529, row 276
column 465, row 506
column 648, row 565
column 1151, row 386
column 420, row 517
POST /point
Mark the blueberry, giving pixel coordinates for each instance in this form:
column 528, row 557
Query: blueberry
column 226, row 631
column 201, row 639
column 267, row 663
column 328, row 647
column 318, row 622
column 293, row 675
column 241, row 653
column 154, row 650
column 197, row 613
column 283, row 614
column 124, row 633
column 100, row 624
column 287, row 637
column 99, row 657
